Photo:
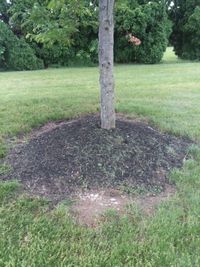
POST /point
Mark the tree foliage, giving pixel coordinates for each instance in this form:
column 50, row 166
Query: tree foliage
column 185, row 38
column 15, row 53
column 147, row 21
column 4, row 7
column 57, row 30
column 65, row 32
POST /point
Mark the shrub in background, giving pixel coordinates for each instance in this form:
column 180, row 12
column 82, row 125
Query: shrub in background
column 15, row 53
column 147, row 21
column 185, row 37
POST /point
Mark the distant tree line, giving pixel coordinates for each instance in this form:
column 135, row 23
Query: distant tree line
column 39, row 33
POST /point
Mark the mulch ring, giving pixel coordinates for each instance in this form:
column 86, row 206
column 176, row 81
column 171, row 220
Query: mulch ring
column 61, row 159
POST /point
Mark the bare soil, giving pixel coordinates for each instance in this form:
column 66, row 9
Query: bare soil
column 61, row 159
column 90, row 207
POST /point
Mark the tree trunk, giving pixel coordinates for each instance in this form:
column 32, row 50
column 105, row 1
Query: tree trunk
column 106, row 43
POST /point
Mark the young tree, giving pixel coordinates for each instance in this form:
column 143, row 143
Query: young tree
column 106, row 43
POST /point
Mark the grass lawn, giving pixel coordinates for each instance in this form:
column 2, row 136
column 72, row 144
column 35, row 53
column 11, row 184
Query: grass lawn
column 168, row 94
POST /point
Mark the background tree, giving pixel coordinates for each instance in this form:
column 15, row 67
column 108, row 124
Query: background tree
column 185, row 37
column 4, row 6
column 15, row 53
column 50, row 27
column 59, row 30
column 148, row 21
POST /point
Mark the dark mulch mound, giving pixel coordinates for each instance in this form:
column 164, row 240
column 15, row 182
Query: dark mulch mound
column 80, row 155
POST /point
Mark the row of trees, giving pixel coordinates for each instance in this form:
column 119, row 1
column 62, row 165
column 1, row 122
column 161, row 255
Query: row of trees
column 65, row 32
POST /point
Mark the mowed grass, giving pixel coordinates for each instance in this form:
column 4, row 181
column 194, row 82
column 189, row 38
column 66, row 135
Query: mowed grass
column 168, row 94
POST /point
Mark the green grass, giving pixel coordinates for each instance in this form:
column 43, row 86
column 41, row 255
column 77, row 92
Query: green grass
column 168, row 94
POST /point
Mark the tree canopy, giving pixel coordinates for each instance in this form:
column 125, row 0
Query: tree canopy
column 65, row 32
column 185, row 38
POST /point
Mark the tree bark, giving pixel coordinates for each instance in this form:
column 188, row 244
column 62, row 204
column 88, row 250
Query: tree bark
column 106, row 43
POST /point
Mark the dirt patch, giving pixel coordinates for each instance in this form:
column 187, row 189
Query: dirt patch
column 90, row 207
column 64, row 158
